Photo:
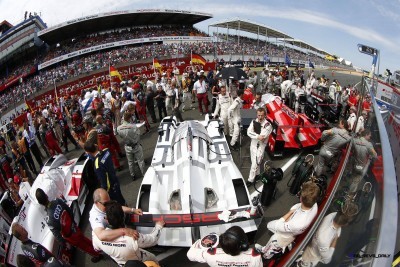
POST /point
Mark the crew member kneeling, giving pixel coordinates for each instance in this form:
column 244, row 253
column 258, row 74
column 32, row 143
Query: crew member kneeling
column 233, row 250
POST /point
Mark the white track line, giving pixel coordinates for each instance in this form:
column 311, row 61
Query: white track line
column 284, row 168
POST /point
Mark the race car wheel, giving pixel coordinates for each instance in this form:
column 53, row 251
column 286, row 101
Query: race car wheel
column 144, row 200
column 76, row 212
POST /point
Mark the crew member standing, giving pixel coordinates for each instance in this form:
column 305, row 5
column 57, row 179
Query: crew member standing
column 323, row 244
column 105, row 171
column 60, row 220
column 49, row 137
column 224, row 101
column 259, row 131
column 200, row 89
column 334, row 139
column 134, row 151
column 235, row 118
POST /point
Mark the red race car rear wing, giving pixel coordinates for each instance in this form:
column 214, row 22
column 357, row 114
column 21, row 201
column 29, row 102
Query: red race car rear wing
column 190, row 219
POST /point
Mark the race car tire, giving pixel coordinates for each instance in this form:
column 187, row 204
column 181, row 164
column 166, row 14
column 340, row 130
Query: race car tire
column 76, row 211
column 144, row 201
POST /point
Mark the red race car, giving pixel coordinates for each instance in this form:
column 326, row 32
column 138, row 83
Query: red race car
column 290, row 130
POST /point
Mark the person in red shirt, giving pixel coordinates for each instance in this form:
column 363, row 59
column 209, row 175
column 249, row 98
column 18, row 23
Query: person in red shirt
column 248, row 97
column 367, row 104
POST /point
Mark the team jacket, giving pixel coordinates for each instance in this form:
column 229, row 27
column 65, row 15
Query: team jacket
column 36, row 252
column 216, row 257
column 104, row 169
column 60, row 219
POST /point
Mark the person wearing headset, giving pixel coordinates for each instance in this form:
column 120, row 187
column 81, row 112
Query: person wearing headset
column 233, row 250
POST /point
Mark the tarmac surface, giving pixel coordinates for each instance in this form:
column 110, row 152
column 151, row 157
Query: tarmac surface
column 176, row 257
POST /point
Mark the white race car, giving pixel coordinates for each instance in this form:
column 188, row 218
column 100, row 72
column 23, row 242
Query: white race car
column 193, row 185
column 59, row 177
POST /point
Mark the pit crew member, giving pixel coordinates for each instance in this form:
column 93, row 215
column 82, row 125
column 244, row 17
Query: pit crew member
column 233, row 251
column 126, row 248
column 324, row 241
column 334, row 139
column 35, row 251
column 234, row 121
column 224, row 101
column 60, row 220
column 133, row 149
column 293, row 223
column 259, row 131
column 98, row 222
column 105, row 171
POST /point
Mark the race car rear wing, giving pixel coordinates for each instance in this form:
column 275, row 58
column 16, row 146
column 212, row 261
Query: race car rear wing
column 196, row 219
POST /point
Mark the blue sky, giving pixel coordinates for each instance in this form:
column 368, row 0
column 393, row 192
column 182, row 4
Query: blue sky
column 335, row 26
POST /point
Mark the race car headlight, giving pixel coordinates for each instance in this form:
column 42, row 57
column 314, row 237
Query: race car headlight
column 211, row 197
column 175, row 202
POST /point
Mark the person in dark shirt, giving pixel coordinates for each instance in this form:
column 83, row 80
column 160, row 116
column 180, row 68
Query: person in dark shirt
column 25, row 261
column 150, row 103
column 66, row 133
column 160, row 100
column 60, row 220
column 34, row 251
column 105, row 171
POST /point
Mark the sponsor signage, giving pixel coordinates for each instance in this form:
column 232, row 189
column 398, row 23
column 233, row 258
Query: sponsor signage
column 116, row 13
column 367, row 50
column 121, row 43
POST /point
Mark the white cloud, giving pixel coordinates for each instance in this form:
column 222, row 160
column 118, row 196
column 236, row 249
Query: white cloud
column 307, row 17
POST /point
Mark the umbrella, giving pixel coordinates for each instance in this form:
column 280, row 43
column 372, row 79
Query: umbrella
column 233, row 73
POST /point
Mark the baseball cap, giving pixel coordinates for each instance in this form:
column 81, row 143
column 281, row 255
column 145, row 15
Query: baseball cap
column 250, row 86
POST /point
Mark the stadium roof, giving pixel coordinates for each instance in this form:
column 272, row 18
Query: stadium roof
column 251, row 27
column 301, row 44
column 119, row 19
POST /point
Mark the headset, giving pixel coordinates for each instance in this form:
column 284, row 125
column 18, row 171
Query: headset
column 243, row 245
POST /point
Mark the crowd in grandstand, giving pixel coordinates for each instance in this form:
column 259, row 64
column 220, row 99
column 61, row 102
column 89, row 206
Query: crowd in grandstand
column 84, row 65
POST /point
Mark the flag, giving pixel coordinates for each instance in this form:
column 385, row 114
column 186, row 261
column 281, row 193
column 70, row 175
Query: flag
column 266, row 58
column 114, row 72
column 310, row 64
column 28, row 107
column 287, row 60
column 156, row 64
column 198, row 59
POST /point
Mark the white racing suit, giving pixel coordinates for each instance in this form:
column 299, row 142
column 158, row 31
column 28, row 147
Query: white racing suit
column 352, row 121
column 257, row 147
column 298, row 93
column 126, row 248
column 334, row 139
column 285, row 88
column 223, row 104
column 216, row 257
column 134, row 152
column 286, row 231
column 234, row 119
column 320, row 250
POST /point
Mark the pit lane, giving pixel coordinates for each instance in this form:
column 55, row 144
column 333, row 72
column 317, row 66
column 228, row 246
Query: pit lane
column 176, row 257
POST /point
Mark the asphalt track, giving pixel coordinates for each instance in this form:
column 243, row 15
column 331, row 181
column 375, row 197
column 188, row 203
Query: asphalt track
column 176, row 257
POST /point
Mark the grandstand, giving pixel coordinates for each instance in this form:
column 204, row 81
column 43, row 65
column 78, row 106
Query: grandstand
column 85, row 45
